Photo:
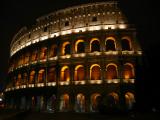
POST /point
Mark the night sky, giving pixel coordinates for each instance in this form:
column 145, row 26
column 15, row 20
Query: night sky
column 143, row 13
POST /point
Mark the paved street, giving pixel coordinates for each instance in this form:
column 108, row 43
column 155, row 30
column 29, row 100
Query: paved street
column 27, row 115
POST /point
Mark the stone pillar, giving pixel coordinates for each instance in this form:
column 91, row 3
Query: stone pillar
column 118, row 42
column 71, row 68
column 46, row 76
column 87, row 103
column 36, row 76
column 87, row 45
column 102, row 39
column 103, row 70
column 87, row 73
column 72, row 101
column 121, row 86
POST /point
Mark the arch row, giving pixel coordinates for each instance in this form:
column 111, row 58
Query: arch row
column 79, row 46
column 78, row 74
column 80, row 102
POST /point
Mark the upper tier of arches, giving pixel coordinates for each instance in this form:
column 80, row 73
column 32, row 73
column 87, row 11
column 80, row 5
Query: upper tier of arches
column 80, row 47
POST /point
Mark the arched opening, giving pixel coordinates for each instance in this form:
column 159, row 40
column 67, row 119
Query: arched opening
column 51, row 103
column 128, row 72
column 94, row 45
column 32, row 77
column 26, row 59
column 65, row 73
column 130, row 100
column 126, row 44
column 79, row 72
column 66, row 48
column 41, row 76
column 95, row 102
column 22, row 103
column 80, row 103
column 53, row 51
column 64, row 103
column 40, row 102
column 43, row 53
column 52, row 75
column 34, row 55
column 33, row 102
column 110, row 45
column 112, row 101
column 79, row 46
column 95, row 72
column 21, row 62
column 111, row 71
column 25, row 79
column 19, row 78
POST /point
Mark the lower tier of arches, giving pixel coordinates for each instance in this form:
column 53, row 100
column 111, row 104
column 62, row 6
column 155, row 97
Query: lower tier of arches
column 71, row 99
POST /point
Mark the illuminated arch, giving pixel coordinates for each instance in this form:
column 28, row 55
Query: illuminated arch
column 95, row 45
column 41, row 76
column 52, row 75
column 66, row 48
column 111, row 71
column 95, row 101
column 130, row 100
column 65, row 73
column 53, row 51
column 80, row 103
column 26, row 58
column 79, row 46
column 64, row 103
column 19, row 79
column 25, row 78
column 34, row 55
column 79, row 72
column 32, row 77
column 128, row 71
column 43, row 53
column 126, row 43
column 110, row 44
column 95, row 72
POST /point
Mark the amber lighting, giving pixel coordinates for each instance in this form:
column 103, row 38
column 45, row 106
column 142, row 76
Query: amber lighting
column 64, row 102
column 64, row 52
column 95, row 72
column 77, row 47
column 32, row 77
column 79, row 72
column 115, row 96
column 53, row 51
column 52, row 75
column 94, row 101
column 41, row 76
column 43, row 53
column 111, row 71
column 65, row 73
column 76, row 30
column 128, row 71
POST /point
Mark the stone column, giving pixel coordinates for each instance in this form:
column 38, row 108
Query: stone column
column 87, row 102
column 46, row 76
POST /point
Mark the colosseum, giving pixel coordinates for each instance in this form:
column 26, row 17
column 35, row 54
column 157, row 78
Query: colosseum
column 75, row 59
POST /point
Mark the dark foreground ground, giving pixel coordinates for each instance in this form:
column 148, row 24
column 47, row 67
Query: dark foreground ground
column 28, row 115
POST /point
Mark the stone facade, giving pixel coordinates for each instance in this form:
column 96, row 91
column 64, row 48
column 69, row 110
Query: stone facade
column 76, row 59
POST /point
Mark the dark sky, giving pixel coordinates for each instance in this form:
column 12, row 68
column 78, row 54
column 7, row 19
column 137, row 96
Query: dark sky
column 143, row 13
